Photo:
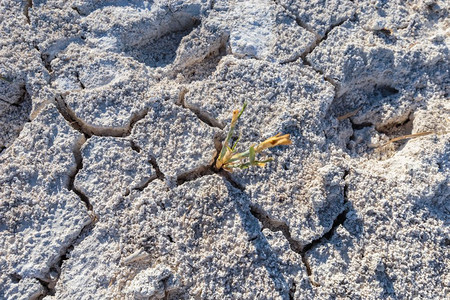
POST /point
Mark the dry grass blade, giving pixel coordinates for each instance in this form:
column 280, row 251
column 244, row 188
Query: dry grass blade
column 349, row 114
column 411, row 136
column 229, row 158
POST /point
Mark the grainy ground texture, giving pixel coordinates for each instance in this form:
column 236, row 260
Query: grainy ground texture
column 111, row 114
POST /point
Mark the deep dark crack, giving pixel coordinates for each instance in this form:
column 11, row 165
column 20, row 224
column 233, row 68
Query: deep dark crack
column 70, row 117
column 26, row 10
column 48, row 289
column 79, row 125
column 275, row 226
column 210, row 169
column 356, row 126
column 77, row 75
column 204, row 116
column 135, row 147
column 159, row 174
column 292, row 291
column 16, row 278
column 55, row 270
column 339, row 220
column 195, row 174
column 297, row 19
column 45, row 58
column 320, row 39
column 79, row 162
column 296, row 246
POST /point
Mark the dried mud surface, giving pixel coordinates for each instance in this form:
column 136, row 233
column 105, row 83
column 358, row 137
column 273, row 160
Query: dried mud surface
column 111, row 114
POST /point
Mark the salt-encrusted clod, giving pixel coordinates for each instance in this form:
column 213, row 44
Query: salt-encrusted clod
column 40, row 216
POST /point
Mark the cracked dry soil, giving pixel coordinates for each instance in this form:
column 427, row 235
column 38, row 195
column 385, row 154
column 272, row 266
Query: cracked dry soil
column 112, row 117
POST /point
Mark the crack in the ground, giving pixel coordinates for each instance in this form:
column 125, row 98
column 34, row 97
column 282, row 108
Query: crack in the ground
column 296, row 246
column 158, row 174
column 48, row 290
column 315, row 44
column 26, row 10
column 320, row 39
column 209, row 169
column 276, row 226
column 338, row 221
column 205, row 117
column 45, row 58
column 77, row 10
column 194, row 174
column 297, row 19
column 88, row 130
column 55, row 270
column 79, row 162
column 8, row 103
column 22, row 97
column 359, row 126
column 355, row 127
column 77, row 75
column 292, row 291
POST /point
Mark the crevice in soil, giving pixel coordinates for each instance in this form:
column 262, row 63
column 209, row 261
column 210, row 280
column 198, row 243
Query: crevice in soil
column 202, row 170
column 89, row 130
column 275, row 226
column 46, row 61
column 402, row 126
column 26, row 9
column 16, row 278
column 48, row 290
column 210, row 169
column 77, row 76
column 296, row 246
column 14, row 117
column 355, row 127
column 317, row 42
column 205, row 117
column 360, row 126
column 145, row 184
column 195, row 174
column 339, row 220
column 319, row 39
column 77, row 10
column 292, row 291
column 159, row 175
column 227, row 176
column 70, row 116
column 8, row 103
column 135, row 147
column 55, row 271
column 297, row 19
column 79, row 162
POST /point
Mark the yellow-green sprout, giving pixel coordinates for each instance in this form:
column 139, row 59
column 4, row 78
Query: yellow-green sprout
column 229, row 158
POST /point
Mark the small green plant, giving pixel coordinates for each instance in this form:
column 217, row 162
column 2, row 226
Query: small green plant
column 229, row 158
